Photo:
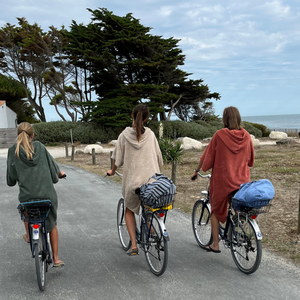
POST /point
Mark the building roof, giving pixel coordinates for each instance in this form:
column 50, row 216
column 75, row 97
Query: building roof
column 2, row 102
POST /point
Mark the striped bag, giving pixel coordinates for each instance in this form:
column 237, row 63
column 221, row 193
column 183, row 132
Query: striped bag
column 159, row 192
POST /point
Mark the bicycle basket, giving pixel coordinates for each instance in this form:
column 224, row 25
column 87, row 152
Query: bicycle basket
column 254, row 211
column 36, row 210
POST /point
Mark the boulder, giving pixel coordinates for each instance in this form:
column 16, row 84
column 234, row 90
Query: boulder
column 189, row 144
column 112, row 143
column 277, row 135
column 285, row 142
column 88, row 149
column 79, row 152
column 255, row 141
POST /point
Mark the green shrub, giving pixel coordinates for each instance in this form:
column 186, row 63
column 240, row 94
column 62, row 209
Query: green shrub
column 252, row 130
column 264, row 130
column 170, row 151
column 86, row 133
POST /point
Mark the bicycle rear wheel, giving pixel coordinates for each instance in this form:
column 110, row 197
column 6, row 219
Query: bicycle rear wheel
column 40, row 262
column 155, row 245
column 201, row 224
column 246, row 249
column 122, row 228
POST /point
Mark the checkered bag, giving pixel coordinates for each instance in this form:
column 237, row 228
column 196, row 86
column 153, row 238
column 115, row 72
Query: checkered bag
column 158, row 191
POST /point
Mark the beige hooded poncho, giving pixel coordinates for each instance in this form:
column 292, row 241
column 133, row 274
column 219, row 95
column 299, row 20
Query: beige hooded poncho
column 140, row 160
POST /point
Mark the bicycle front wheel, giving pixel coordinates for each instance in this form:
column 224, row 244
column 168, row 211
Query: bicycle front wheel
column 201, row 224
column 122, row 228
column 246, row 249
column 155, row 245
column 40, row 262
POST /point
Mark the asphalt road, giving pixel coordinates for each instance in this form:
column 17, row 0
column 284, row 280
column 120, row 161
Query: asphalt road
column 96, row 267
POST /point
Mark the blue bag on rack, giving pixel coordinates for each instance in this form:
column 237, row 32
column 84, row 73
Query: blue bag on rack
column 159, row 192
column 255, row 194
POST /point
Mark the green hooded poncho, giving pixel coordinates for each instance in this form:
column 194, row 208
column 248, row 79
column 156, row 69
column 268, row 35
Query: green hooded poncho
column 35, row 177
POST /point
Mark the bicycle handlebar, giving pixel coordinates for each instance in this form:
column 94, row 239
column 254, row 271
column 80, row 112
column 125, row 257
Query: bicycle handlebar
column 202, row 176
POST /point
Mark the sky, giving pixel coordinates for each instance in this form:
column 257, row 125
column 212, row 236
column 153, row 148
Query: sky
column 248, row 51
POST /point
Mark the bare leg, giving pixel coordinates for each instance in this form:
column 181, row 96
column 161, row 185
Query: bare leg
column 130, row 223
column 54, row 244
column 215, row 231
column 26, row 236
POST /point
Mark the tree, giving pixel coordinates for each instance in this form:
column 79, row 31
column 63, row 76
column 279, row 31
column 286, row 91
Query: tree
column 13, row 93
column 25, row 54
column 128, row 65
column 66, row 82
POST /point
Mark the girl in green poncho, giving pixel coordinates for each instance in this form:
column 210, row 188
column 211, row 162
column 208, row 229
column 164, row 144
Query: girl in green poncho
column 31, row 166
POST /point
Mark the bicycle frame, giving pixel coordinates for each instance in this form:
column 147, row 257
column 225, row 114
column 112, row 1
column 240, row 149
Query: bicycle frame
column 34, row 234
column 147, row 229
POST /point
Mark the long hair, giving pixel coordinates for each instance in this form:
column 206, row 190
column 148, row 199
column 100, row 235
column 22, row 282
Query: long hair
column 232, row 118
column 24, row 139
column 140, row 113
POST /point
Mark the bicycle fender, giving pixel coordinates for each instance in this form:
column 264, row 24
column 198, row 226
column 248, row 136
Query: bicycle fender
column 256, row 229
column 164, row 230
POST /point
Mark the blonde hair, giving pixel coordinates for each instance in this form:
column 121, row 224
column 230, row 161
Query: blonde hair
column 232, row 118
column 140, row 113
column 24, row 139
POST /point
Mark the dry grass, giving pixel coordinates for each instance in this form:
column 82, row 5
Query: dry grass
column 280, row 164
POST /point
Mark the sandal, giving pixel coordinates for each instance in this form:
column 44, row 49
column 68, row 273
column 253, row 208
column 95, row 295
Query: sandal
column 133, row 251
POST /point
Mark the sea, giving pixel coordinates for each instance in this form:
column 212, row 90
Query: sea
column 277, row 122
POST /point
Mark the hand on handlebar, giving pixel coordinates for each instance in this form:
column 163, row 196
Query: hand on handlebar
column 62, row 174
column 110, row 173
column 194, row 176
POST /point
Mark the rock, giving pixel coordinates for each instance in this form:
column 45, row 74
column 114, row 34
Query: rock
column 189, row 144
column 112, row 143
column 207, row 140
column 79, row 152
column 255, row 142
column 88, row 149
column 277, row 135
column 285, row 142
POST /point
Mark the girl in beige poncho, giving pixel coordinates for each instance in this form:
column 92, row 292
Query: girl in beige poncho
column 137, row 150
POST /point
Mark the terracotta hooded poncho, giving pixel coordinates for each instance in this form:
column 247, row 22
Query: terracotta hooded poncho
column 229, row 154
column 140, row 160
column 35, row 177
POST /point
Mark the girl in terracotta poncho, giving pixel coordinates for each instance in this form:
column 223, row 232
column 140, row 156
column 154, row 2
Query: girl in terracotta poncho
column 31, row 166
column 229, row 154
column 137, row 150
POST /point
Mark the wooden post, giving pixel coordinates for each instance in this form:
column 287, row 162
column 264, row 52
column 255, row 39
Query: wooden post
column 174, row 168
column 93, row 156
column 111, row 160
column 73, row 151
column 67, row 150
column 299, row 217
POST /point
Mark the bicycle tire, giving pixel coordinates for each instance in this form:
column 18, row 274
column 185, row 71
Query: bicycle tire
column 155, row 246
column 201, row 224
column 40, row 263
column 246, row 249
column 121, row 225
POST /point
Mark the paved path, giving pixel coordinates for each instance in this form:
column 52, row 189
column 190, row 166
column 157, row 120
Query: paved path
column 98, row 268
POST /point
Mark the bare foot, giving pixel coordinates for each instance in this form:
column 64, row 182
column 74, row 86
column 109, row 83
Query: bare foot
column 26, row 238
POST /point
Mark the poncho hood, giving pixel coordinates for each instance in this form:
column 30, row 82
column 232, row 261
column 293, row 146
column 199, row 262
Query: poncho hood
column 34, row 160
column 130, row 136
column 234, row 140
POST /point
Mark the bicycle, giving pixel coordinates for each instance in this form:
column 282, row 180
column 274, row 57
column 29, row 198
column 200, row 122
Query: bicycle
column 151, row 234
column 241, row 233
column 35, row 213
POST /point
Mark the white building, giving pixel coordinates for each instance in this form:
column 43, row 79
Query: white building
column 8, row 118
